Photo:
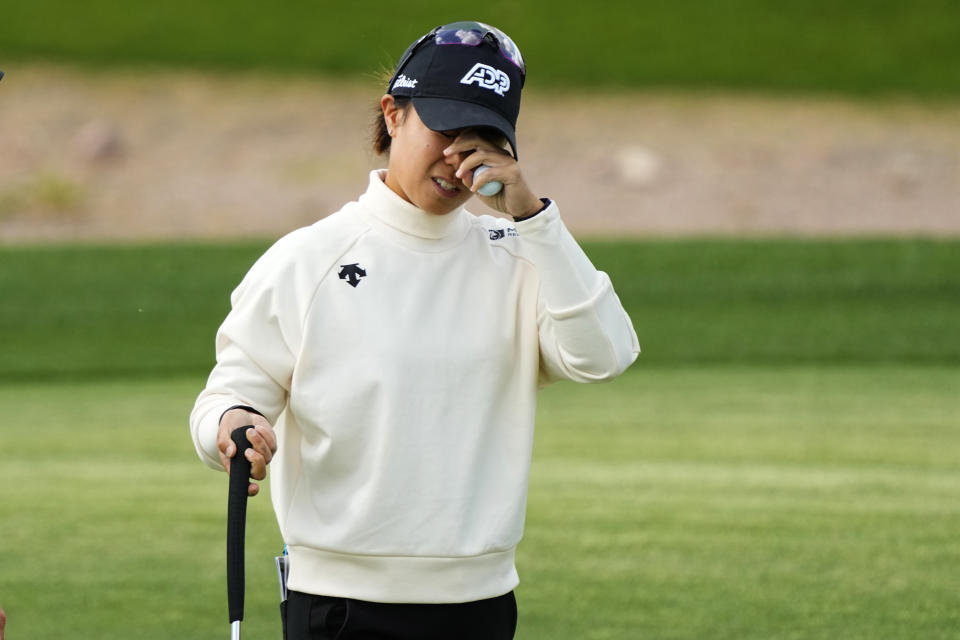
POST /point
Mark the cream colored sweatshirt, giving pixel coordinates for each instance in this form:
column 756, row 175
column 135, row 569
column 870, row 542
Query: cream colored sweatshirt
column 398, row 356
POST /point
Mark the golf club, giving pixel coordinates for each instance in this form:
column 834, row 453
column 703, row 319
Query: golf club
column 236, row 528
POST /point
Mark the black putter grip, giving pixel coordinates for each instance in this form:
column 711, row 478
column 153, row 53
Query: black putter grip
column 237, row 523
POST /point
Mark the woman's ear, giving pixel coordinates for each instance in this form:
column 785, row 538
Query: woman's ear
column 392, row 115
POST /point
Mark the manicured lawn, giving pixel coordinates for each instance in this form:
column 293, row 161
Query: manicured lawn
column 780, row 462
column 677, row 502
column 81, row 312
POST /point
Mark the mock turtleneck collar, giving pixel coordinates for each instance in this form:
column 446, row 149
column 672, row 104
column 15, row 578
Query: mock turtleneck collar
column 414, row 225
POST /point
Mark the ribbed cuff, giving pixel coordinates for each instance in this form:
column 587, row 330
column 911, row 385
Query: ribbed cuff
column 240, row 406
column 546, row 203
column 402, row 579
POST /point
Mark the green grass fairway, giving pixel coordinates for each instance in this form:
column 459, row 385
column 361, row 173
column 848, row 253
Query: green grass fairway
column 81, row 312
column 677, row 502
column 780, row 463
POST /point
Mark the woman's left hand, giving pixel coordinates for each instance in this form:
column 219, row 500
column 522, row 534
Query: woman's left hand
column 515, row 199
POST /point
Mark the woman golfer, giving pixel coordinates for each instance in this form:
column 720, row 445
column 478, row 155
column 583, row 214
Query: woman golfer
column 389, row 357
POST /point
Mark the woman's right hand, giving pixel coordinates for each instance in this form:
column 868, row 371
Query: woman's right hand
column 262, row 439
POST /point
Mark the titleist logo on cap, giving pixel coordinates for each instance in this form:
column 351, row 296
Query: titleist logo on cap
column 487, row 77
column 403, row 82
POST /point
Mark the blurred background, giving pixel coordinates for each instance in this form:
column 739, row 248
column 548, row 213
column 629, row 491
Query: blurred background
column 773, row 187
column 744, row 117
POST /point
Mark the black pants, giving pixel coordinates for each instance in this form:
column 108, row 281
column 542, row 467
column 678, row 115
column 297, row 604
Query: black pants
column 310, row 617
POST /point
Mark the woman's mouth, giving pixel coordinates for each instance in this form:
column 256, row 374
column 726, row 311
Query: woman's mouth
column 447, row 189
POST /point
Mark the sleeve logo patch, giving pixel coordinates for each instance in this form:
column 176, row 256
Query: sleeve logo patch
column 499, row 234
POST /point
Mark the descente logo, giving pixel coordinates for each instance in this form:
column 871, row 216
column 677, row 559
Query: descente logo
column 487, row 77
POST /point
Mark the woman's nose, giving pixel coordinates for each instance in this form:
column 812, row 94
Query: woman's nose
column 454, row 159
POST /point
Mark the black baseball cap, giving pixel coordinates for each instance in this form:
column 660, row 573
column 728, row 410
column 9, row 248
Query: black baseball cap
column 463, row 74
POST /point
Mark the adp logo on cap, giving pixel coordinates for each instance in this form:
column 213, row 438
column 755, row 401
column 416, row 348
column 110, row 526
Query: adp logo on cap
column 487, row 77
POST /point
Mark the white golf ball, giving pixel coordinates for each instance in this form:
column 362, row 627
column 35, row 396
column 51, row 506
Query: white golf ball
column 492, row 188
